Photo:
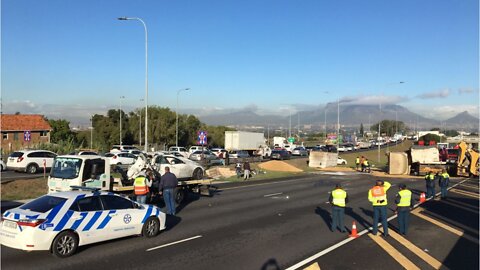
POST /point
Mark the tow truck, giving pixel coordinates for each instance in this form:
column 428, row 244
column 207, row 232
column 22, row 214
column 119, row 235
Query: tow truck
column 95, row 171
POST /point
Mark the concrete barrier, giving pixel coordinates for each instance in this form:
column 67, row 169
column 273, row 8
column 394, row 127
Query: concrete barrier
column 318, row 159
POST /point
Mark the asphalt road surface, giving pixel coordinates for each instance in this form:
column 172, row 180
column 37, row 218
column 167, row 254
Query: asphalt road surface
column 251, row 225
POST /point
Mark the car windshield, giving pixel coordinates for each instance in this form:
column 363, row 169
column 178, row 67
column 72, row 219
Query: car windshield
column 66, row 168
column 43, row 204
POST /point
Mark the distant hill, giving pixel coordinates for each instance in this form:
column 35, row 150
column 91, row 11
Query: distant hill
column 350, row 116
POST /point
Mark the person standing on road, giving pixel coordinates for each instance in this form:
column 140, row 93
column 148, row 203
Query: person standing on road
column 246, row 170
column 430, row 183
column 378, row 197
column 357, row 163
column 443, row 182
column 366, row 166
column 141, row 187
column 404, row 201
column 227, row 160
column 168, row 183
column 338, row 198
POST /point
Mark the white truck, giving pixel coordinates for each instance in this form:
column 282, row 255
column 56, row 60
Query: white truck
column 94, row 171
column 253, row 142
column 283, row 143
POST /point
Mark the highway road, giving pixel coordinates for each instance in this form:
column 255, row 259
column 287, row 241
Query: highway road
column 249, row 225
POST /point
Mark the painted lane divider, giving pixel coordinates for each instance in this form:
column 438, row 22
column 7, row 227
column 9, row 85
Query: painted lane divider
column 273, row 194
column 174, row 243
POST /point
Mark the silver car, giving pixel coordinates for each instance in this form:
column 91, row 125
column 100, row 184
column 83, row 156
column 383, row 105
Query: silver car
column 300, row 151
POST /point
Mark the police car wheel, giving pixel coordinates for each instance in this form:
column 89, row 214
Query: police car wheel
column 151, row 227
column 65, row 244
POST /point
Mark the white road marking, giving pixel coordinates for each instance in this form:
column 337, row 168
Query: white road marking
column 270, row 195
column 339, row 244
column 174, row 243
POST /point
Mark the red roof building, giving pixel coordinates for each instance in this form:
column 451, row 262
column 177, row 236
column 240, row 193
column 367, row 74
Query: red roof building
column 23, row 131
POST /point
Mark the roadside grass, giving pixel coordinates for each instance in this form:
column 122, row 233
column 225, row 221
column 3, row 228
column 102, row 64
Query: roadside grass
column 23, row 189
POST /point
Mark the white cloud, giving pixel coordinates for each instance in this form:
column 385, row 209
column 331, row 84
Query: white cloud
column 443, row 93
column 372, row 100
column 467, row 90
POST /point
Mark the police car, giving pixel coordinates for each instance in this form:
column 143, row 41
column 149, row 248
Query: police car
column 62, row 221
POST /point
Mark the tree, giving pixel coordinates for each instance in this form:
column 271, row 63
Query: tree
column 389, row 127
column 361, row 129
column 451, row 133
column 435, row 129
column 429, row 137
column 61, row 131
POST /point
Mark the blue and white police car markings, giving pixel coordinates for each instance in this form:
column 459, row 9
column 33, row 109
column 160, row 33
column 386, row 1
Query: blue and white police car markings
column 148, row 214
column 92, row 221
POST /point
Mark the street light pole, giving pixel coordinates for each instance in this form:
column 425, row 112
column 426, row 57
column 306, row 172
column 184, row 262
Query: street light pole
column 140, row 126
column 121, row 97
column 91, row 132
column 146, row 76
column 176, row 114
column 338, row 123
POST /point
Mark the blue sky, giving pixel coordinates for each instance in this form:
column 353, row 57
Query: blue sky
column 69, row 59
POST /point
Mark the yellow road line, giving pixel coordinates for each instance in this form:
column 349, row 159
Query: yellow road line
column 443, row 225
column 402, row 260
column 466, row 193
column 418, row 251
column 460, row 206
column 314, row 266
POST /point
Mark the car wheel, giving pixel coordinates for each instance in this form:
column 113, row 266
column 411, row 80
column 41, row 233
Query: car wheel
column 65, row 244
column 32, row 168
column 179, row 195
column 1, row 168
column 197, row 174
column 151, row 227
column 344, row 163
column 119, row 163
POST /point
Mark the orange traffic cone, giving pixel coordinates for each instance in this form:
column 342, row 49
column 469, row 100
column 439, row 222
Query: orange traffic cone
column 354, row 231
column 422, row 197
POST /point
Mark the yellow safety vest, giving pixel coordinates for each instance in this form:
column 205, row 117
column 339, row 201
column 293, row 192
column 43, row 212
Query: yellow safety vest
column 357, row 161
column 140, row 186
column 405, row 197
column 445, row 175
column 339, row 196
column 365, row 163
column 429, row 177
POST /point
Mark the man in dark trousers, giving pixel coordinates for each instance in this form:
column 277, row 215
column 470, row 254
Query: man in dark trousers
column 404, row 201
column 168, row 183
column 443, row 182
column 430, row 184
column 338, row 198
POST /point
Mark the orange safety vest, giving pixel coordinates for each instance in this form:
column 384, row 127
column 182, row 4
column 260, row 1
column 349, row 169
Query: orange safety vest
column 378, row 191
column 140, row 186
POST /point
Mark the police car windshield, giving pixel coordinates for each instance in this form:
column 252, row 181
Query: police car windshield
column 43, row 204
column 66, row 168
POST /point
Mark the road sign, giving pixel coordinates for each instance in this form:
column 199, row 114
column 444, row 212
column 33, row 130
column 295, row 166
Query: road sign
column 27, row 135
column 291, row 139
column 202, row 137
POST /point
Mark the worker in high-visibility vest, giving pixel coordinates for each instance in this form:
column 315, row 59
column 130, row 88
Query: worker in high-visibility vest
column 404, row 201
column 338, row 199
column 430, row 184
column 377, row 195
column 357, row 163
column 141, row 187
column 443, row 182
column 366, row 165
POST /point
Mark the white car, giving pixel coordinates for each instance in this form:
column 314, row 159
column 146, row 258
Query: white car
column 119, row 148
column 217, row 152
column 31, row 161
column 121, row 158
column 63, row 221
column 342, row 148
column 341, row 161
column 195, row 148
column 180, row 150
column 182, row 167
column 3, row 167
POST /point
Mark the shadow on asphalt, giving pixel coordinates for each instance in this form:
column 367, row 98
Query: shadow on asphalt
column 361, row 221
column 171, row 222
column 325, row 215
column 271, row 264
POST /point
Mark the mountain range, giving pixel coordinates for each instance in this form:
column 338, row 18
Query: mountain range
column 349, row 116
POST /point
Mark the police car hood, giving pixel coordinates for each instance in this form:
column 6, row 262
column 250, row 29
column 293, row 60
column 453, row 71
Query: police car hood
column 17, row 214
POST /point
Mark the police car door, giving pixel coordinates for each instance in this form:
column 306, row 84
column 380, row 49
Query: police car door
column 126, row 218
column 89, row 218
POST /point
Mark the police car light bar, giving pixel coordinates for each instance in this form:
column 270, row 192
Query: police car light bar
column 92, row 189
